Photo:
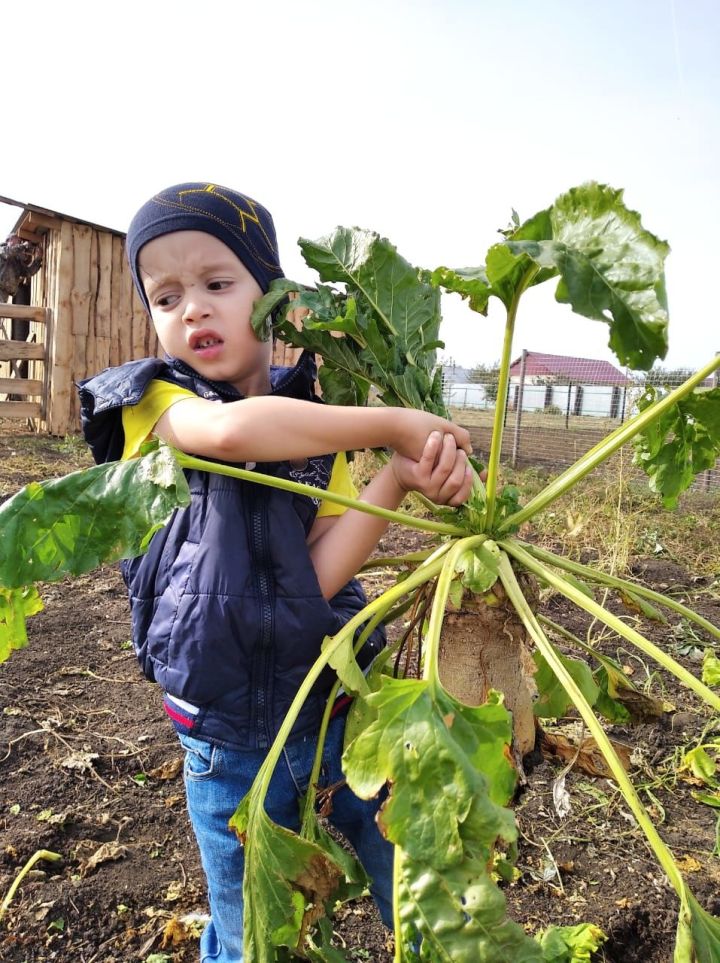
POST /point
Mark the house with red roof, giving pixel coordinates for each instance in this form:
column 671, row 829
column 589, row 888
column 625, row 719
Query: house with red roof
column 567, row 385
column 561, row 369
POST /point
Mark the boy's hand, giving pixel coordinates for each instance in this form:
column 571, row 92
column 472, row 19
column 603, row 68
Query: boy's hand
column 442, row 474
column 412, row 428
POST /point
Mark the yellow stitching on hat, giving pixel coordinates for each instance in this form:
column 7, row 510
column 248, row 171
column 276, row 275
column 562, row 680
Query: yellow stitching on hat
column 251, row 214
column 273, row 265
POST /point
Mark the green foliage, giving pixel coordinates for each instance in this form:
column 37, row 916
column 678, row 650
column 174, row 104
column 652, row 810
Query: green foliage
column 507, row 504
column 610, row 269
column 609, row 707
column 72, row 524
column 450, row 778
column 698, row 935
column 472, row 284
column 16, row 605
column 553, row 701
column 387, row 314
column 292, row 880
column 478, row 568
column 571, row 944
column 702, row 765
column 637, row 603
column 460, row 915
column 711, row 668
column 680, row 444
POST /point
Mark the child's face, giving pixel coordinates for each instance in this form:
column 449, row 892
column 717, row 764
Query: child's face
column 201, row 296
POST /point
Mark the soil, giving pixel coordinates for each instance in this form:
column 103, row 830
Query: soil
column 90, row 770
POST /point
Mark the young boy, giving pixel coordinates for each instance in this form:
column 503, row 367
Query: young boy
column 235, row 595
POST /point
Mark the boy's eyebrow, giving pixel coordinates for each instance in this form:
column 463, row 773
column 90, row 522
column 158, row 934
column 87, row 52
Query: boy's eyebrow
column 155, row 280
column 158, row 280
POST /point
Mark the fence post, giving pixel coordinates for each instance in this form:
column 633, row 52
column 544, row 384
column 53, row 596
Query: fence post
column 567, row 406
column 518, row 409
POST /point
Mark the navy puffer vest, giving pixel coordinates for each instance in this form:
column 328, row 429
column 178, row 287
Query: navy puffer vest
column 227, row 613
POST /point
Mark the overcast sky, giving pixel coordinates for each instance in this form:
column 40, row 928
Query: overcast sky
column 427, row 121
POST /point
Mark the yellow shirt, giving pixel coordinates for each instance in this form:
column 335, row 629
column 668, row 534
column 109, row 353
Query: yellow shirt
column 139, row 421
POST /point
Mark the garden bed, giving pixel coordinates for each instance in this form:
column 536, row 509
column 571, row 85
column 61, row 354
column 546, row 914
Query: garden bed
column 91, row 770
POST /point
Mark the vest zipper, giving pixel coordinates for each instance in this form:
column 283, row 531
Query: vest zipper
column 263, row 660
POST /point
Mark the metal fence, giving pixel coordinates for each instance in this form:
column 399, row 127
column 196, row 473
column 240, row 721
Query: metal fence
column 552, row 420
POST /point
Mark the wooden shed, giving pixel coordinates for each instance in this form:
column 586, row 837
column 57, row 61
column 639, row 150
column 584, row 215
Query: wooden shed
column 77, row 314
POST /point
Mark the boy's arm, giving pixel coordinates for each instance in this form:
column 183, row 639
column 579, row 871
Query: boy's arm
column 270, row 428
column 340, row 545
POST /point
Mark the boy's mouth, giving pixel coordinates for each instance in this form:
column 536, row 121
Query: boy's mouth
column 203, row 340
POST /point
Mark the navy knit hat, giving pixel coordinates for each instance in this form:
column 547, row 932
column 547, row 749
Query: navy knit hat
column 238, row 221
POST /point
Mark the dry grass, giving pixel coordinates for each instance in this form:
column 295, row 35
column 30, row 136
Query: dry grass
column 483, row 418
column 609, row 520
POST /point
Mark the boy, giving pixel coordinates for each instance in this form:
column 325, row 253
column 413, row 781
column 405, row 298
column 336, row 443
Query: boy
column 235, row 595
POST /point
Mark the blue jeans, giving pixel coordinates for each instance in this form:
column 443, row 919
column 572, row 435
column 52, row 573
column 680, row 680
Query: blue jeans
column 216, row 779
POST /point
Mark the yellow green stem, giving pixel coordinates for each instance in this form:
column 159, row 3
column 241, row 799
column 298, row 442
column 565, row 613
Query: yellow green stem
column 491, row 484
column 621, row 584
column 527, row 616
column 612, row 621
column 402, row 518
column 380, row 604
column 309, row 801
column 36, row 857
column 432, row 639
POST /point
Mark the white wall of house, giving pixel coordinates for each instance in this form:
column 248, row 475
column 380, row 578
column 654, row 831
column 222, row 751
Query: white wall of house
column 466, row 395
column 594, row 400
column 600, row 401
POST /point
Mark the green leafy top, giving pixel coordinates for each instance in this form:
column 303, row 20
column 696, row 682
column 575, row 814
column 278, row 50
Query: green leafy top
column 71, row 525
column 381, row 330
column 610, row 269
column 679, row 444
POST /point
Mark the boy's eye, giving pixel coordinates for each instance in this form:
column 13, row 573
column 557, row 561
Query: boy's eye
column 165, row 300
column 218, row 285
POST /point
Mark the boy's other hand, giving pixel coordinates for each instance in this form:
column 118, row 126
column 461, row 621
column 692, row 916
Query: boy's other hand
column 442, row 473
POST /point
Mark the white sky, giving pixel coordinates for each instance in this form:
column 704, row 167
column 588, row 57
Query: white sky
column 426, row 121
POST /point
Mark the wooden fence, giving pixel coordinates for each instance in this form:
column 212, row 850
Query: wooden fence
column 15, row 388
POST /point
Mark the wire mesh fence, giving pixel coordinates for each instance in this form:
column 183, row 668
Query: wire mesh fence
column 558, row 407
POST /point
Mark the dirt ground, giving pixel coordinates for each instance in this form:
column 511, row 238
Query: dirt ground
column 90, row 769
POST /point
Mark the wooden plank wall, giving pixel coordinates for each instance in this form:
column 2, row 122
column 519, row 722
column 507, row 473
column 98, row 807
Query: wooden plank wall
column 98, row 320
column 283, row 354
